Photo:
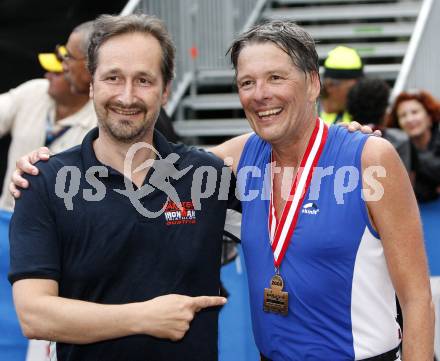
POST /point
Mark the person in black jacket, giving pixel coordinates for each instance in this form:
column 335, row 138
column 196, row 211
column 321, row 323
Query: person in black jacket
column 418, row 114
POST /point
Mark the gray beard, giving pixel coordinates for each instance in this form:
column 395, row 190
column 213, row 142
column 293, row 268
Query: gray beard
column 126, row 137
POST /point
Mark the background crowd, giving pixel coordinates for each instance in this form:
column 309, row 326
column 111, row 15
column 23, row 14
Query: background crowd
column 410, row 121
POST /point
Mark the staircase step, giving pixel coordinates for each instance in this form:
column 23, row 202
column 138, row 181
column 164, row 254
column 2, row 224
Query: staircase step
column 360, row 30
column 384, row 71
column 306, row 2
column 216, row 76
column 213, row 101
column 212, row 127
column 345, row 12
column 368, row 50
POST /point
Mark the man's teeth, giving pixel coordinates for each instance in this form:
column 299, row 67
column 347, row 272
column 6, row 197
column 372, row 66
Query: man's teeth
column 125, row 112
column 269, row 112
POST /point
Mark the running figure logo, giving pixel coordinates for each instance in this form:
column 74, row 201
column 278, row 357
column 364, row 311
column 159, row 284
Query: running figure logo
column 163, row 170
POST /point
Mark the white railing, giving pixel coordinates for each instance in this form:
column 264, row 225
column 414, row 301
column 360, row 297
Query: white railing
column 421, row 64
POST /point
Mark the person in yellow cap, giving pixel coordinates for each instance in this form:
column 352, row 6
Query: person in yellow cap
column 43, row 112
column 50, row 62
column 342, row 69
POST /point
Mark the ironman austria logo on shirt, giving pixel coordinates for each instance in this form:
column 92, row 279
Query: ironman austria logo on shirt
column 185, row 214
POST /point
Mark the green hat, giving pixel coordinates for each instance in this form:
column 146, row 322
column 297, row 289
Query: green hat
column 343, row 63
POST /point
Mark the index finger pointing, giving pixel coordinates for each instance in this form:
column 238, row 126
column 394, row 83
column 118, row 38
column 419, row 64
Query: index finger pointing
column 201, row 302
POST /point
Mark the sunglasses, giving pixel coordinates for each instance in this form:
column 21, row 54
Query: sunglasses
column 63, row 54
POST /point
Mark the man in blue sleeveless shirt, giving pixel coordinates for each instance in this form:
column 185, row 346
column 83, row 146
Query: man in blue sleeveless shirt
column 327, row 244
column 330, row 227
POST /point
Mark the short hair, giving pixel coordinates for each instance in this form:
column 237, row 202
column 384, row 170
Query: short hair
column 286, row 35
column 85, row 31
column 367, row 101
column 431, row 105
column 108, row 26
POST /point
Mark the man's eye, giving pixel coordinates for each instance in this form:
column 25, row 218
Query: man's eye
column 245, row 83
column 112, row 78
column 275, row 77
column 143, row 81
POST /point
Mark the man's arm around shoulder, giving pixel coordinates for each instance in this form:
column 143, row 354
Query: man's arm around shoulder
column 230, row 151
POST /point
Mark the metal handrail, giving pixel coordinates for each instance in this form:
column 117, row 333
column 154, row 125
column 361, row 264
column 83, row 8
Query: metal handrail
column 413, row 48
column 178, row 94
column 130, row 7
column 253, row 17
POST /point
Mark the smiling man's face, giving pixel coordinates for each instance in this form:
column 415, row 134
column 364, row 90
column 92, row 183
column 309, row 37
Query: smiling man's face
column 128, row 90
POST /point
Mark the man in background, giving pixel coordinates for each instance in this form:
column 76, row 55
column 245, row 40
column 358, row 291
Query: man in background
column 342, row 69
column 36, row 113
column 47, row 22
column 43, row 112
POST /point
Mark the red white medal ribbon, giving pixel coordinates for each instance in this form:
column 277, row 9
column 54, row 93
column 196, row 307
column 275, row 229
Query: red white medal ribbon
column 281, row 232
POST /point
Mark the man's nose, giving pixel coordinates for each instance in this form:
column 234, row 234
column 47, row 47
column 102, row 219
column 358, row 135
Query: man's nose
column 65, row 65
column 126, row 94
column 262, row 92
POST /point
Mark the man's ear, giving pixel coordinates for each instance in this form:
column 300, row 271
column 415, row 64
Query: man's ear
column 166, row 93
column 314, row 86
column 91, row 90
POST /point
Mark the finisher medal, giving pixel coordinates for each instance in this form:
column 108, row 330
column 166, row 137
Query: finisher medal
column 275, row 299
column 281, row 231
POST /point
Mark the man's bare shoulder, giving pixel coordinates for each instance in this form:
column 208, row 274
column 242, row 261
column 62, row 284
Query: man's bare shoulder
column 379, row 151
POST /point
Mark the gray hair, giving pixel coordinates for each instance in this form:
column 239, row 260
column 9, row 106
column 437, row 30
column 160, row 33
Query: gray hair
column 286, row 35
column 108, row 26
column 85, row 31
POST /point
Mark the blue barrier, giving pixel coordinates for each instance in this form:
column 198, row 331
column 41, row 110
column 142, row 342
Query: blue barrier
column 430, row 214
column 13, row 345
column 236, row 340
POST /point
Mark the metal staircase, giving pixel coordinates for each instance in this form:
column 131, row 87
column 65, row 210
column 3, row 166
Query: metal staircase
column 378, row 29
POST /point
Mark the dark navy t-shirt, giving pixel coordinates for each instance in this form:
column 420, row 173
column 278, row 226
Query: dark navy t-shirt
column 103, row 250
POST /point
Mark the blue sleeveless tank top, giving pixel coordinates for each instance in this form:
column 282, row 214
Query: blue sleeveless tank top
column 341, row 300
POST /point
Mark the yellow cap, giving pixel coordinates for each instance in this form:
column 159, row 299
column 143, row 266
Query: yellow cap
column 343, row 62
column 50, row 62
